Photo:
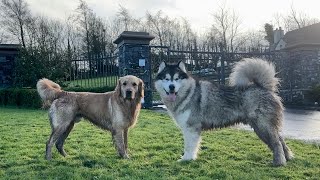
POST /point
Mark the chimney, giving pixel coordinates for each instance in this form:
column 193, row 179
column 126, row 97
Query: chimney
column 277, row 35
column 281, row 32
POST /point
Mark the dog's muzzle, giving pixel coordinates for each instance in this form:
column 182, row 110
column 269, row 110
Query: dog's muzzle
column 171, row 95
column 170, row 92
column 171, row 88
column 129, row 94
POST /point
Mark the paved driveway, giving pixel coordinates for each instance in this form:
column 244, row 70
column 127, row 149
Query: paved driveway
column 302, row 124
column 298, row 124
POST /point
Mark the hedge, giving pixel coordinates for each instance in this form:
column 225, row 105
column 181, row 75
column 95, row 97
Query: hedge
column 314, row 94
column 29, row 98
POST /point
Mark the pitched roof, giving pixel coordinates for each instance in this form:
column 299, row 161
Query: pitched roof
column 308, row 35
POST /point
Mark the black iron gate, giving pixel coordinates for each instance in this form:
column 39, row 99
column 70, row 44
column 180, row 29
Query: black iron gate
column 92, row 71
column 211, row 66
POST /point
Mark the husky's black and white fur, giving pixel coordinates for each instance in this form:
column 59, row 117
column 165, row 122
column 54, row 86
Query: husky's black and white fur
column 250, row 98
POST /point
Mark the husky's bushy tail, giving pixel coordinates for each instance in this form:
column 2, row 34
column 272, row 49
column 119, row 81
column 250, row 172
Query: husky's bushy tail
column 48, row 90
column 254, row 71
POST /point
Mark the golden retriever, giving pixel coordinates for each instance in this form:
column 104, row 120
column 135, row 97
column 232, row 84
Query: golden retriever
column 115, row 111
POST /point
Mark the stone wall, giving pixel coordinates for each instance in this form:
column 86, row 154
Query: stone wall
column 299, row 71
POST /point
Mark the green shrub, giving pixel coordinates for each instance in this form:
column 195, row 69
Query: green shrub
column 314, row 94
column 33, row 64
column 23, row 97
column 20, row 97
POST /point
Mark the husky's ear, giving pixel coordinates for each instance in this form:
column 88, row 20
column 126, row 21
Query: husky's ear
column 162, row 66
column 118, row 88
column 182, row 66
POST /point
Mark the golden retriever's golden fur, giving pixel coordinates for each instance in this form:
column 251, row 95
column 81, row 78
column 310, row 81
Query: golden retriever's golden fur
column 115, row 111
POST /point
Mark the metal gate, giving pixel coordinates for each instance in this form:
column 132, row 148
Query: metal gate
column 211, row 66
column 92, row 71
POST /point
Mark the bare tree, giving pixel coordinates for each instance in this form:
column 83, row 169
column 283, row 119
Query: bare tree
column 300, row 19
column 188, row 36
column 15, row 16
column 209, row 41
column 176, row 33
column 122, row 21
column 84, row 14
column 31, row 32
column 254, row 40
column 294, row 19
column 234, row 29
column 155, row 23
column 227, row 23
column 127, row 21
column 95, row 32
column 277, row 20
column 3, row 37
column 124, row 17
column 113, row 29
column 73, row 38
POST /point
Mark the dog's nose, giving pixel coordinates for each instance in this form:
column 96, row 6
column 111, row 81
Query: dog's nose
column 171, row 87
column 128, row 94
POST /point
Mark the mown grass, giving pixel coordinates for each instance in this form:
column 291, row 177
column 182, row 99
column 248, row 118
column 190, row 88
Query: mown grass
column 109, row 81
column 155, row 146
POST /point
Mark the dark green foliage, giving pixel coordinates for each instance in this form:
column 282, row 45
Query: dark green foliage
column 314, row 94
column 29, row 98
column 20, row 97
column 269, row 33
column 33, row 64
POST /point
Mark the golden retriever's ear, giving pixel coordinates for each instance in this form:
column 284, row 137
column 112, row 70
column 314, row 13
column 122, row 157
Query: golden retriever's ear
column 118, row 88
column 141, row 88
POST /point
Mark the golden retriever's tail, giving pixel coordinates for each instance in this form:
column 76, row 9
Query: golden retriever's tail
column 48, row 90
column 254, row 71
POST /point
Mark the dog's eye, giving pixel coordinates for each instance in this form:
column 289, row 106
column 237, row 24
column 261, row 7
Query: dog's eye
column 124, row 84
column 167, row 79
column 134, row 84
column 176, row 79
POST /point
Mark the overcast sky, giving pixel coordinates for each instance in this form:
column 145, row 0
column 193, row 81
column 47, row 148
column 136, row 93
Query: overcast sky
column 253, row 13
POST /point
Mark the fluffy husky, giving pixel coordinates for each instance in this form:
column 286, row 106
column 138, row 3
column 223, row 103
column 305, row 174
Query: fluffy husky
column 115, row 111
column 200, row 105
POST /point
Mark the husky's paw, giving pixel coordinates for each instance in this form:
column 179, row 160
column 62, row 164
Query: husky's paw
column 289, row 156
column 48, row 157
column 183, row 158
column 279, row 161
column 126, row 156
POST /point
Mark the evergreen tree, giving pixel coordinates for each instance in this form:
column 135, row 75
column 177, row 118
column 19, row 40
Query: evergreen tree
column 269, row 33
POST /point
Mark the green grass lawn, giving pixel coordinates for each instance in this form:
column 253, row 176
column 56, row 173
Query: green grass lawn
column 110, row 81
column 155, row 146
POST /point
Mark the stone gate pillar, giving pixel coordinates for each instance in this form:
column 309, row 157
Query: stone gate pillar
column 133, row 55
